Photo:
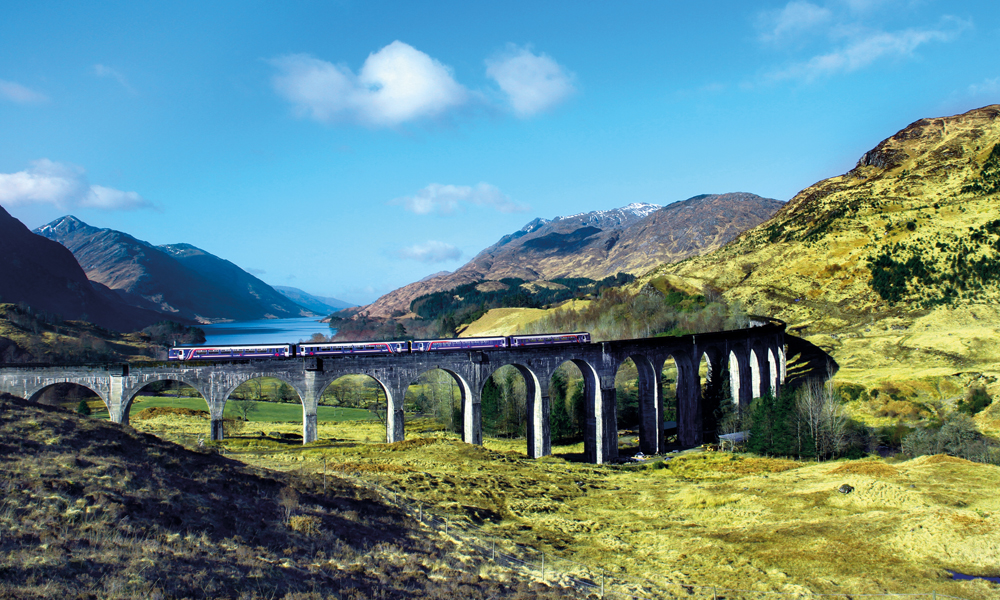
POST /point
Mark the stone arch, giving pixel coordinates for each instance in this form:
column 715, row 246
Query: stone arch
column 755, row 374
column 469, row 413
column 714, row 390
column 35, row 393
column 739, row 379
column 650, row 403
column 217, row 402
column 129, row 395
column 537, row 425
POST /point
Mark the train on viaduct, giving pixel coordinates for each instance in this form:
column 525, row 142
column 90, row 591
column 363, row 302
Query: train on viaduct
column 754, row 359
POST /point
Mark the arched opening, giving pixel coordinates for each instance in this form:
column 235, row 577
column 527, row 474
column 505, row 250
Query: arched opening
column 351, row 406
column 639, row 407
column 755, row 391
column 434, row 403
column 669, row 377
column 567, row 412
column 505, row 404
column 717, row 403
column 259, row 404
column 772, row 381
column 734, row 379
column 74, row 397
column 586, row 415
column 169, row 409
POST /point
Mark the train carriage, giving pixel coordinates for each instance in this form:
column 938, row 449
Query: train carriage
column 222, row 352
column 580, row 337
column 347, row 348
column 472, row 343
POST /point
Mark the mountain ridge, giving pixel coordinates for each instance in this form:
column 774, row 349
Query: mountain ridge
column 179, row 280
column 47, row 277
column 595, row 245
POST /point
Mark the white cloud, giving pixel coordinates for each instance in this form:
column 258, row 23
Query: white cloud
column 796, row 17
column 15, row 92
column 396, row 84
column 988, row 87
column 106, row 71
column 866, row 48
column 431, row 252
column 64, row 186
column 532, row 82
column 447, row 199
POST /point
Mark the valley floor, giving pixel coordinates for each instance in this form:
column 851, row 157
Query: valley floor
column 700, row 519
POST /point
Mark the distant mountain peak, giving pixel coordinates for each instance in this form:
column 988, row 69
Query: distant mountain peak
column 631, row 239
column 63, row 225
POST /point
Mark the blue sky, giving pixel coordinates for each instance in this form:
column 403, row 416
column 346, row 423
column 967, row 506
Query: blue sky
column 349, row 148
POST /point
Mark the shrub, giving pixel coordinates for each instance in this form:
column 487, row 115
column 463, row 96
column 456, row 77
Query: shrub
column 976, row 399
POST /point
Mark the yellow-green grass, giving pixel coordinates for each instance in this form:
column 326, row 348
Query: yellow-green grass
column 266, row 412
column 735, row 521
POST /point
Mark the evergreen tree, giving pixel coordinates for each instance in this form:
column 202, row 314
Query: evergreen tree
column 83, row 408
column 490, row 407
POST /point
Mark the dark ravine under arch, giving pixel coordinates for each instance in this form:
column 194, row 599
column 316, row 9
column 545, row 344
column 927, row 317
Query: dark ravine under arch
column 118, row 384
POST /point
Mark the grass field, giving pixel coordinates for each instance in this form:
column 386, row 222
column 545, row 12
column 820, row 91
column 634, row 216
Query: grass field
column 267, row 412
column 732, row 520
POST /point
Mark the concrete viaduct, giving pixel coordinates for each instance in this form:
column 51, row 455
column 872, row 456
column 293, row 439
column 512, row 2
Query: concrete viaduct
column 754, row 357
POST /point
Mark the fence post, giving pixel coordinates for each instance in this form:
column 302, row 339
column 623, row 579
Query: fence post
column 543, row 566
column 715, row 593
column 420, row 512
column 324, row 475
column 494, row 550
column 446, row 526
column 602, row 584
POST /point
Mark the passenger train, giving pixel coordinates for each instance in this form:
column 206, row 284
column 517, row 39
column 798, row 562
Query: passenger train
column 351, row 348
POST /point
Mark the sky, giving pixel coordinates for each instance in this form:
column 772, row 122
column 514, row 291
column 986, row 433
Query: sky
column 349, row 148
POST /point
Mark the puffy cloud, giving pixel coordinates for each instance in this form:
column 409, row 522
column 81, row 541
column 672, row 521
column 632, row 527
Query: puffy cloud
column 431, row 252
column 794, row 18
column 15, row 92
column 106, row 71
column 865, row 49
column 396, row 84
column 447, row 199
column 64, row 186
column 532, row 82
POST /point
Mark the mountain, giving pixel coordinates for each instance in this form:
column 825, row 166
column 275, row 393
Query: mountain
column 894, row 265
column 45, row 275
column 317, row 304
column 631, row 239
column 179, row 280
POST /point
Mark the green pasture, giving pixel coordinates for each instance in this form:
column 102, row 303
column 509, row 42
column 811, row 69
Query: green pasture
column 266, row 411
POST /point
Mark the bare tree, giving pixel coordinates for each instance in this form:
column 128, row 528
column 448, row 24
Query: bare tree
column 824, row 419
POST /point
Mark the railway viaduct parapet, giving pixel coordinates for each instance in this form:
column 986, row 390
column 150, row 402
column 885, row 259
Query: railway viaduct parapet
column 753, row 359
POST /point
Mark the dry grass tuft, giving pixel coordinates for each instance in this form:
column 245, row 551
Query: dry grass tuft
column 166, row 411
column 866, row 467
column 752, row 465
column 409, row 444
column 938, row 459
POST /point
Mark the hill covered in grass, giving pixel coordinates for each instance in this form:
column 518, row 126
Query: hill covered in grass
column 893, row 267
column 91, row 509
column 30, row 336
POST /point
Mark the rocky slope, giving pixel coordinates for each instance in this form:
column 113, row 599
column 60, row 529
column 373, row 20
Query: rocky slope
column 179, row 280
column 46, row 276
column 894, row 266
column 631, row 239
